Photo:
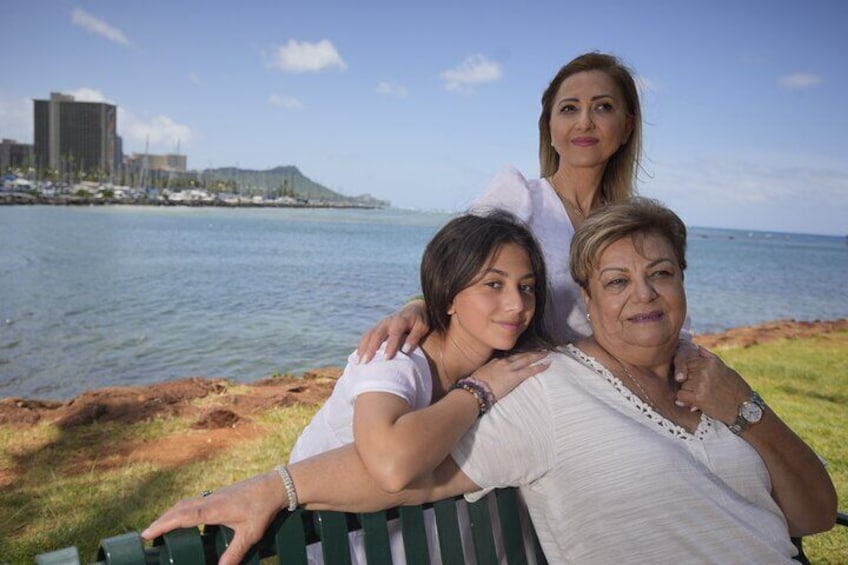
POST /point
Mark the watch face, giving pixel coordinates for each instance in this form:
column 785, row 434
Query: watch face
column 751, row 412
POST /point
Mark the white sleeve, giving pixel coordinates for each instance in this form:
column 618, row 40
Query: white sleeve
column 509, row 191
column 399, row 376
column 512, row 445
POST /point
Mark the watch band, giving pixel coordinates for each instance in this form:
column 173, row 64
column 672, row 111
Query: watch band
column 742, row 421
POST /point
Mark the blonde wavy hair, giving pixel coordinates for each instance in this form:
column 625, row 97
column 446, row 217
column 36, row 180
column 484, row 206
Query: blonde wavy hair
column 619, row 178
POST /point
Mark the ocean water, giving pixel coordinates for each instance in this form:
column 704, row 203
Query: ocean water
column 102, row 296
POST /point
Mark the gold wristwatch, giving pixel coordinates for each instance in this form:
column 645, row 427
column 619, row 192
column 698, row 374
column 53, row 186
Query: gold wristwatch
column 750, row 412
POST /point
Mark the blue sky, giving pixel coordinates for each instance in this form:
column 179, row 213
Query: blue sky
column 421, row 104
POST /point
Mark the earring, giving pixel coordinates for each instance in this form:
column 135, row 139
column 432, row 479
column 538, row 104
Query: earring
column 588, row 317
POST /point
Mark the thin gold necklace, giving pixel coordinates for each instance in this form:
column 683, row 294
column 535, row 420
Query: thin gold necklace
column 445, row 379
column 441, row 363
column 631, row 377
column 443, row 368
column 568, row 204
column 461, row 350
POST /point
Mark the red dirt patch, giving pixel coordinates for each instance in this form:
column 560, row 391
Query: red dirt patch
column 782, row 329
column 226, row 413
column 223, row 418
column 132, row 404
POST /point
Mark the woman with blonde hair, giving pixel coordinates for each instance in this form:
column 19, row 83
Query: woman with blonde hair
column 590, row 142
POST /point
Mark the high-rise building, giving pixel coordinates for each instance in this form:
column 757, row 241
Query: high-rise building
column 15, row 155
column 75, row 136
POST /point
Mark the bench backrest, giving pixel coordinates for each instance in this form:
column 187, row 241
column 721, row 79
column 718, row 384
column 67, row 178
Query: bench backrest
column 290, row 534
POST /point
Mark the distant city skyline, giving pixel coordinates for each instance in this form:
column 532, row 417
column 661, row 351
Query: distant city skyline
column 421, row 105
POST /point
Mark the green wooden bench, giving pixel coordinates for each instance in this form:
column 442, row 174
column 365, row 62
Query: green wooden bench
column 290, row 533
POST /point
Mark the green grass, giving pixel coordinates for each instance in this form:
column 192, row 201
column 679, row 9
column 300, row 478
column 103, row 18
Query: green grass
column 50, row 507
column 806, row 382
column 68, row 494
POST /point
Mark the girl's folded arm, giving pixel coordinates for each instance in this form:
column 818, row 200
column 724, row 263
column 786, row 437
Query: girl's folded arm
column 398, row 444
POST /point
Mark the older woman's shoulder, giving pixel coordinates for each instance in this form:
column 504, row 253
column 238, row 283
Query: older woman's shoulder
column 565, row 360
column 569, row 355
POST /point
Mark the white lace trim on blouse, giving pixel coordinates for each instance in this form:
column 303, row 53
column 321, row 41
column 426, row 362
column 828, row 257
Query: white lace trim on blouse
column 676, row 431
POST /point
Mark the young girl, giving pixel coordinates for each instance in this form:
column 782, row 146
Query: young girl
column 483, row 280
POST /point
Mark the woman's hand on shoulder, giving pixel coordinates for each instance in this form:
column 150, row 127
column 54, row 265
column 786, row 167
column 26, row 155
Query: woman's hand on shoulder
column 712, row 387
column 503, row 375
column 686, row 350
column 407, row 325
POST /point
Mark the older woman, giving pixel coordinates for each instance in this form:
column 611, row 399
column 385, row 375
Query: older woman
column 610, row 466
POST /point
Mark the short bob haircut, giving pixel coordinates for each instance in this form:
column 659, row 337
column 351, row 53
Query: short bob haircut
column 455, row 256
column 620, row 173
column 633, row 218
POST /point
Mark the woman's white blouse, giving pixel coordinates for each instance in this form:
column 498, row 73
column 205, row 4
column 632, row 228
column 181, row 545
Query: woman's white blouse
column 608, row 480
column 536, row 203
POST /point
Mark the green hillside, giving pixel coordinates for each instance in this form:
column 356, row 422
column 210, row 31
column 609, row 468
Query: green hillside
column 284, row 181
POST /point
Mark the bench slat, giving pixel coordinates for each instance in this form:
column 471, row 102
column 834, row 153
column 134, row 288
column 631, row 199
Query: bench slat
column 377, row 546
column 332, row 529
column 447, row 526
column 126, row 549
column 223, row 536
column 481, row 531
column 537, row 547
column 414, row 535
column 290, row 537
column 509, row 514
column 183, row 545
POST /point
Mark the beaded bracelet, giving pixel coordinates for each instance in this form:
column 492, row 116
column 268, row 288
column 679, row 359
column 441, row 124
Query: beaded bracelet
column 481, row 392
column 289, row 484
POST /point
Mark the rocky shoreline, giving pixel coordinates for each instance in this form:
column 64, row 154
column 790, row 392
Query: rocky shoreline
column 231, row 403
column 30, row 199
column 221, row 414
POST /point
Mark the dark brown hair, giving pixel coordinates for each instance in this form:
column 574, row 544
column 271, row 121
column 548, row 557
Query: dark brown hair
column 461, row 249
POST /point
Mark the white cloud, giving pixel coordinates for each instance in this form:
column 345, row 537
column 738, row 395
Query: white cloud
column 391, row 89
column 476, row 69
column 300, row 57
column 288, row 102
column 86, row 94
column 754, row 193
column 95, row 25
column 160, row 134
column 194, row 78
column 799, row 81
